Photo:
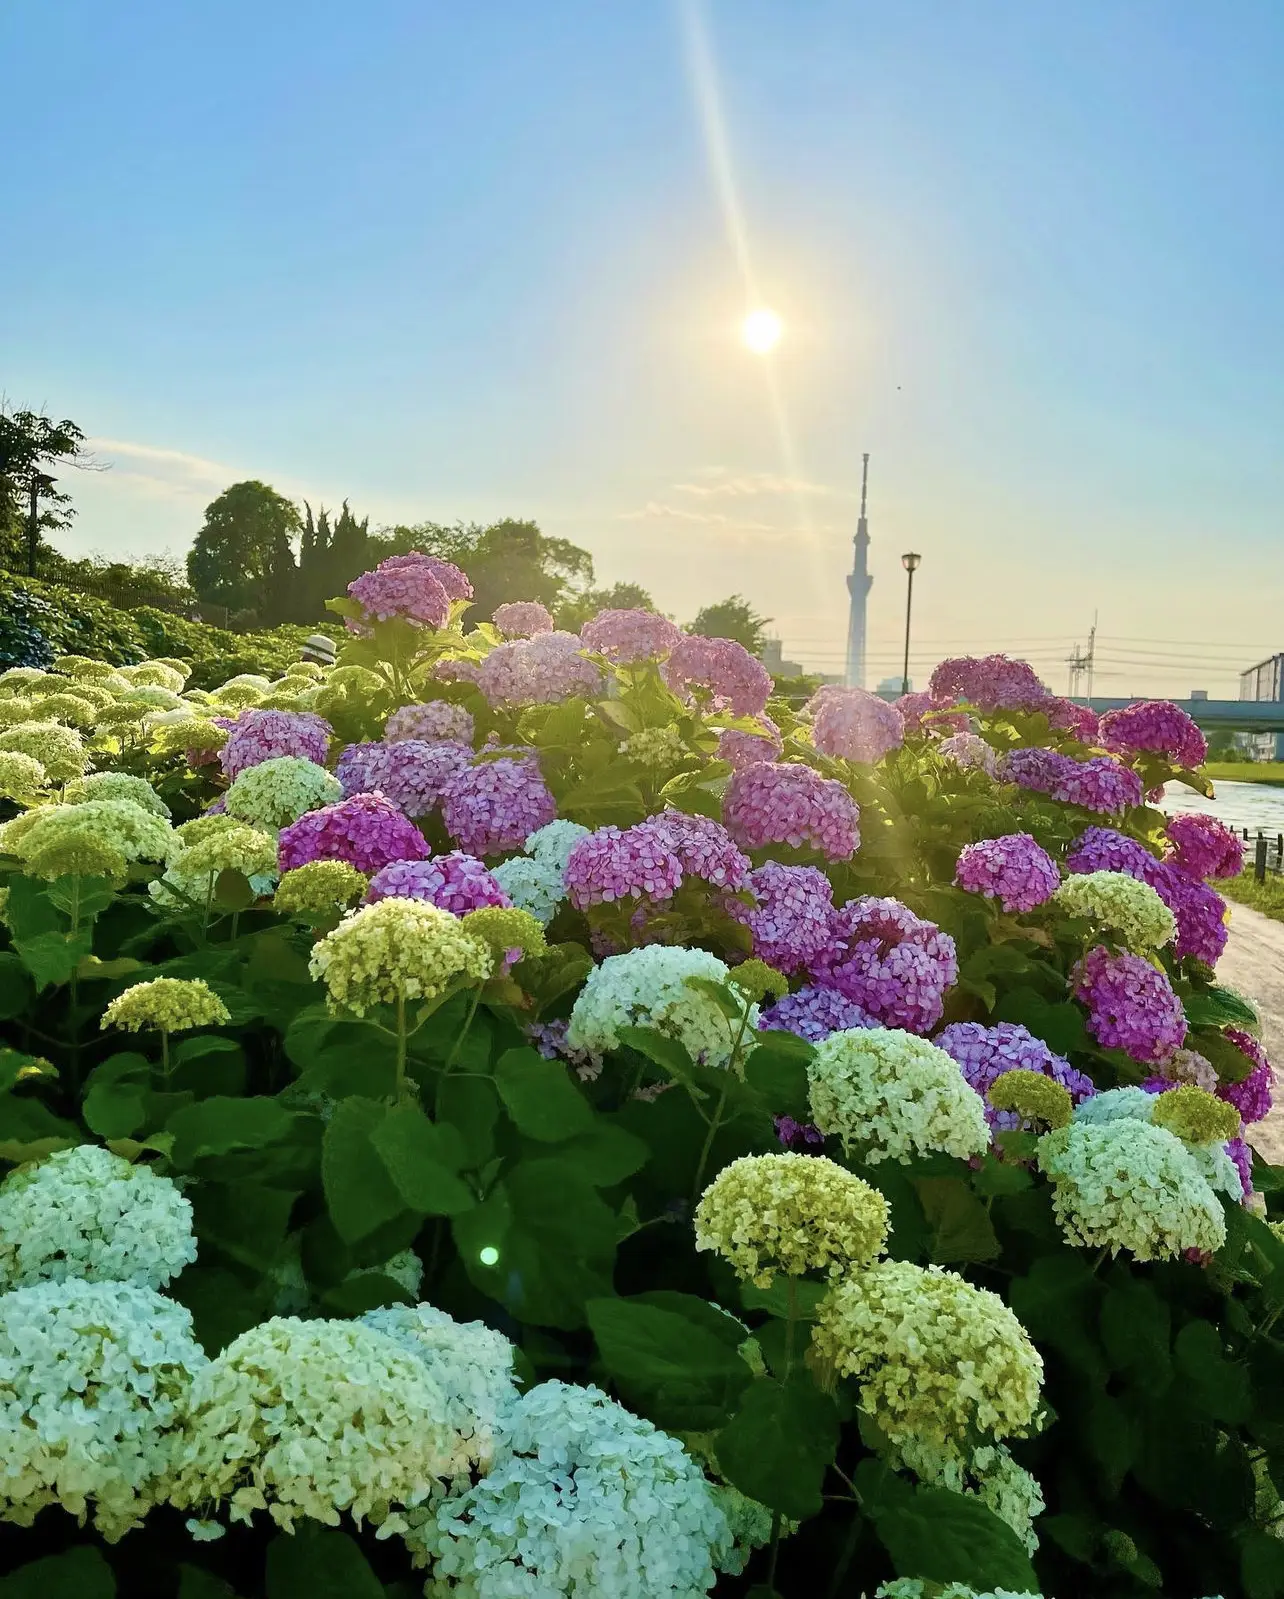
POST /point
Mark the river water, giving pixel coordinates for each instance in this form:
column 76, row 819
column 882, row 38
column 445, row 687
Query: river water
column 1239, row 805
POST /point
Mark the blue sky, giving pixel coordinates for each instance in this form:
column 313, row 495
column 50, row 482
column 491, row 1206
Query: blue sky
column 471, row 261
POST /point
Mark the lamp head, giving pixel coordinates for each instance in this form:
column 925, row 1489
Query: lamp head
column 910, row 561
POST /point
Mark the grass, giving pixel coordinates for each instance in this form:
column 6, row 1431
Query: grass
column 1267, row 897
column 1246, row 772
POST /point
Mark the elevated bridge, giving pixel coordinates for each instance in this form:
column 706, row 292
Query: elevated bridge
column 1239, row 716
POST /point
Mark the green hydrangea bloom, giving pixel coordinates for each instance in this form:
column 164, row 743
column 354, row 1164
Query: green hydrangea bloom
column 397, row 949
column 155, row 674
column 320, row 887
column 1195, row 1115
column 117, row 785
column 759, row 981
column 21, row 776
column 60, row 750
column 655, row 746
column 82, row 666
column 120, row 824
column 77, row 854
column 14, row 709
column 503, row 928
column 1120, row 904
column 278, row 791
column 1034, row 1097
column 202, row 827
column 168, row 1004
column 69, row 708
column 231, row 849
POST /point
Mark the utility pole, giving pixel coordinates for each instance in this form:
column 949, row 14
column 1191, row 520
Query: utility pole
column 40, row 484
column 1080, row 663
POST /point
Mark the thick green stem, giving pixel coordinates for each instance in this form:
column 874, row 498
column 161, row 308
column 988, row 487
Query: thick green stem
column 165, row 1065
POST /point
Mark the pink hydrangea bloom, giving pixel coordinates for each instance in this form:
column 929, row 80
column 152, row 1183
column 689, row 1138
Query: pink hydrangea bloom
column 970, row 751
column 1078, row 720
column 1158, row 727
column 452, row 579
column 412, row 772
column 990, row 682
column 455, row 882
column 259, row 735
column 493, row 807
column 538, row 671
column 1253, row 1096
column 891, row 963
column 854, row 725
column 621, row 863
column 775, row 803
column 791, row 914
column 452, row 669
column 1016, row 870
column 1205, row 847
column 627, row 637
column 921, row 712
column 367, row 831
column 742, row 749
column 522, row 619
column 436, row 722
column 704, row 848
column 1131, row 1005
column 734, row 678
column 813, row 1013
column 408, row 588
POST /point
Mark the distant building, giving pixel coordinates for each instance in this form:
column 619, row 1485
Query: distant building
column 1264, row 681
column 772, row 658
column 890, row 688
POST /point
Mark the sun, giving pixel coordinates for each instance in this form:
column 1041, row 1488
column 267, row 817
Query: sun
column 761, row 330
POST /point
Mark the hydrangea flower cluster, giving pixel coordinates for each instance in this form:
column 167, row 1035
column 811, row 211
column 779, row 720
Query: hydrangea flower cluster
column 435, row 722
column 984, row 1054
column 367, row 831
column 989, row 682
column 766, row 1214
column 275, row 792
column 543, row 670
column 970, row 751
column 168, row 1004
column 1252, row 1096
column 395, row 950
column 402, row 586
column 116, row 786
column 1200, row 913
column 411, row 772
column 21, row 776
column 60, row 750
column 854, row 725
column 1099, row 784
column 1131, row 1005
column 923, row 714
column 258, row 735
column 648, row 987
column 522, row 619
column 892, row 1096
column 703, row 848
column 120, row 825
column 1121, row 904
column 493, row 807
column 453, row 882
column 740, row 749
column 621, row 863
column 813, row 1013
column 1204, row 847
column 773, row 803
column 533, row 885
column 891, row 963
column 627, row 637
column 88, row 1214
column 655, row 746
column 734, row 679
column 1157, row 727
column 235, row 848
column 319, row 888
column 1015, row 869
column 791, row 915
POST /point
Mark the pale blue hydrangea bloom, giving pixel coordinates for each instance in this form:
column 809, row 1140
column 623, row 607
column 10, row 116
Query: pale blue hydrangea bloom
column 532, row 885
column 1135, row 1104
column 552, row 844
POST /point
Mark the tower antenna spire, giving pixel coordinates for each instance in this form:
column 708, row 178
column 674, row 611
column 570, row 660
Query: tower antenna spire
column 859, row 582
column 864, row 482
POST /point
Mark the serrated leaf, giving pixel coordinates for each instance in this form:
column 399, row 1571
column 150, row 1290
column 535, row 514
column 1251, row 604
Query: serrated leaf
column 360, row 1194
column 540, row 1096
column 779, row 1445
column 52, row 958
column 418, row 1158
column 947, row 1537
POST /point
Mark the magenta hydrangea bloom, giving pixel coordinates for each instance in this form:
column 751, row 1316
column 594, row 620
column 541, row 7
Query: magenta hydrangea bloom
column 891, row 963
column 522, row 619
column 1080, row 721
column 402, row 587
column 412, row 772
column 736, row 680
column 854, row 725
column 985, row 1053
column 260, row 735
column 1158, row 727
column 367, row 831
column 627, row 637
column 621, row 863
column 990, row 682
column 492, row 808
column 1200, row 913
column 538, row 671
column 1131, row 1005
column 1016, row 870
column 704, row 848
column 971, row 752
column 1205, row 847
column 791, row 914
column 741, row 749
column 435, row 722
column 1252, row 1097
column 813, row 1013
column 455, row 882
column 774, row 803
column 452, row 579
column 1242, row 1156
column 1098, row 784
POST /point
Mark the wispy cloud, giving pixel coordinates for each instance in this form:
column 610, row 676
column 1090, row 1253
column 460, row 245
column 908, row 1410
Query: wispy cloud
column 718, row 482
column 157, row 473
column 659, row 511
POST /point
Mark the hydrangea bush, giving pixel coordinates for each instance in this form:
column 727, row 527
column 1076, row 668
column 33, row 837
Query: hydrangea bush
column 519, row 1114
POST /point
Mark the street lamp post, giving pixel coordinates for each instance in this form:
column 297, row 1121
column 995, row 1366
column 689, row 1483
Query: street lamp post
column 910, row 562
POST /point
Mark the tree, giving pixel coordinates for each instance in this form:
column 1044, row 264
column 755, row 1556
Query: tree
column 733, row 618
column 329, row 558
column 619, row 597
column 243, row 557
column 30, row 444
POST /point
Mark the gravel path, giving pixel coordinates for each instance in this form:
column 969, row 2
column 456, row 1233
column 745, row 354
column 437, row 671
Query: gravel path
column 1254, row 964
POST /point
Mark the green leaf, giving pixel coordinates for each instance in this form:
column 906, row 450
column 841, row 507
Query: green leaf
column 471, row 1106
column 208, row 1064
column 606, row 1154
column 364, row 1290
column 196, row 1583
column 86, row 897
column 1060, row 1025
column 779, row 1445
column 246, row 1222
column 16, row 1064
column 678, row 1370
column 961, row 1229
column 232, row 891
column 1136, row 1328
column 221, row 1124
column 418, row 1157
column 1215, row 1383
column 16, row 988
column 339, row 1057
column 359, row 1192
column 945, row 1537
column 1057, row 1303
column 51, row 958
column 558, row 970
column 30, row 1130
column 1261, row 1564
column 78, row 1573
column 319, row 1563
column 540, row 1096
column 779, row 1073
column 998, row 1177
column 666, row 1052
column 775, row 1300
column 222, row 1306
column 1220, row 1007
column 28, row 911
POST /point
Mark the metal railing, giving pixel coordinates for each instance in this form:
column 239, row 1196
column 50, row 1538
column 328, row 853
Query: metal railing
column 1266, row 853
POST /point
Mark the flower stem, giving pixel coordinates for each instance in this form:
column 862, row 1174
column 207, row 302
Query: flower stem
column 455, row 1048
column 714, row 1123
column 165, row 1065
column 401, row 1049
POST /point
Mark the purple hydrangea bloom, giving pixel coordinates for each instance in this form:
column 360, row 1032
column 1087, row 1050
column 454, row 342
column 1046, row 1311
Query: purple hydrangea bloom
column 990, row 682
column 890, row 962
column 704, row 848
column 1098, row 784
column 402, row 586
column 1101, row 849
column 1131, row 1005
column 543, row 670
column 735, row 679
column 412, row 773
column 800, row 1137
column 1078, row 720
column 985, row 1053
column 1156, row 726
column 1015, row 870
column 791, row 915
column 455, row 882
column 922, row 712
column 1199, row 912
column 452, row 578
column 260, row 735
column 813, row 1013
column 776, row 803
column 627, row 637
column 522, row 619
column 621, row 863
column 741, row 749
column 435, row 722
column 367, row 831
column 1252, row 1097
column 1205, row 847
column 854, row 725
column 492, row 808
column 549, row 1038
column 1242, row 1155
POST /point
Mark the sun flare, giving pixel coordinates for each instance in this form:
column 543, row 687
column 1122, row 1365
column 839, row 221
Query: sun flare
column 761, row 330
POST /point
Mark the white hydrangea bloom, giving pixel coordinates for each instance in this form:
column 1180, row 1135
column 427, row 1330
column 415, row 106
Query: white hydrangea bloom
column 93, row 1383
column 117, row 785
column 584, row 1499
column 532, row 885
column 552, row 844
column 311, row 1419
column 278, row 791
column 648, row 987
column 894, row 1096
column 1135, row 1104
column 470, row 1362
column 86, row 1213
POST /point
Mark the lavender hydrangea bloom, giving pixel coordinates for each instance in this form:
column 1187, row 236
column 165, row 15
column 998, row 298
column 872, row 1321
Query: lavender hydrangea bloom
column 259, row 735
column 1199, row 912
column 543, row 670
column 740, row 749
column 627, row 637
column 452, row 579
column 1016, row 870
column 853, row 724
column 990, row 682
column 1098, row 784
column 621, row 863
column 776, row 803
column 522, row 619
column 435, row 722
column 454, row 882
column 801, row 1137
column 890, row 962
column 1242, row 1156
column 985, row 1053
column 1205, row 847
column 704, row 848
column 1101, row 849
column 402, row 586
column 1078, row 720
column 923, row 713
column 367, row 831
column 411, row 772
column 791, row 914
column 1131, row 1005
column 490, row 809
column 1158, row 727
column 734, row 678
column 970, row 751
column 813, row 1013
column 1252, row 1097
